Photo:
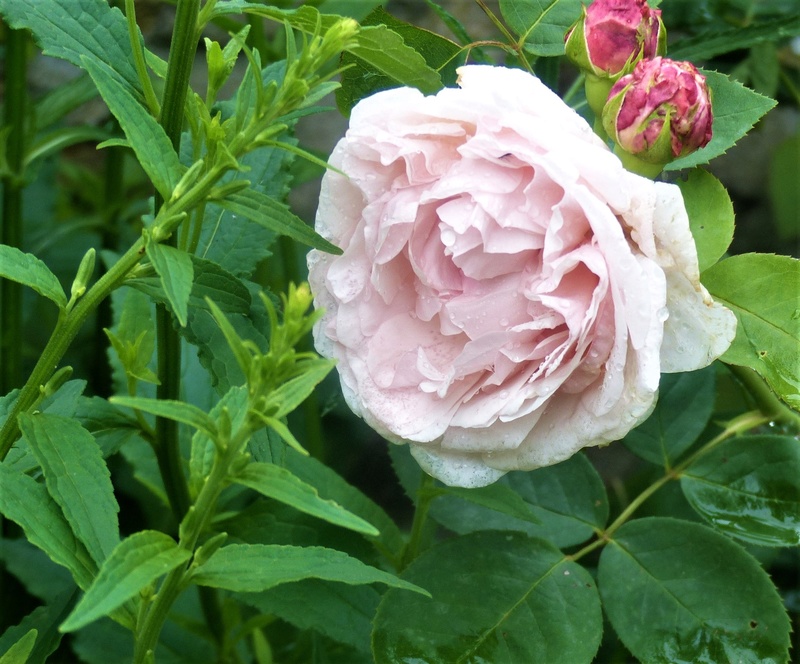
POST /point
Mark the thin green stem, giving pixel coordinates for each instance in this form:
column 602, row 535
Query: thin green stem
column 138, row 60
column 11, row 228
column 425, row 496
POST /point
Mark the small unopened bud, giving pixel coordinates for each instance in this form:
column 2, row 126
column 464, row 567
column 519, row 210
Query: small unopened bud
column 82, row 277
column 659, row 112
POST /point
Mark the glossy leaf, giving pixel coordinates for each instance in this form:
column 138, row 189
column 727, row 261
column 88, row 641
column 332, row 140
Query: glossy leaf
column 698, row 596
column 710, row 213
column 176, row 273
column 26, row 502
column 257, row 567
column 763, row 290
column 18, row 653
column 498, row 597
column 684, row 407
column 749, row 487
column 541, row 24
column 736, row 109
column 29, row 271
column 136, row 562
column 279, row 484
column 77, row 478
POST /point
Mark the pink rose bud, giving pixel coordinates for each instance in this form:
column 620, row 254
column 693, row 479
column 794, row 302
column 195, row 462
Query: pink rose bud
column 613, row 35
column 660, row 111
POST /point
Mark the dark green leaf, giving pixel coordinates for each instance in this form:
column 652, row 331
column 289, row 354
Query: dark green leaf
column 77, row 478
column 176, row 273
column 684, row 407
column 134, row 564
column 497, row 497
column 257, row 567
column 749, row 488
column 26, row 502
column 29, row 271
column 62, row 100
column 45, row 620
column 784, row 194
column 498, row 597
column 40, row 576
column 541, row 24
column 699, row 596
column 736, row 109
column 710, row 213
column 763, row 291
column 279, row 484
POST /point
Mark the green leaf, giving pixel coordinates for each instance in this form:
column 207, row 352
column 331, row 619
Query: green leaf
column 279, row 484
column 709, row 44
column 749, row 488
column 62, row 100
column 45, row 620
column 710, row 213
column 699, row 596
column 736, row 109
column 26, row 502
column 179, row 411
column 147, row 138
column 541, row 24
column 257, row 567
column 684, row 407
column 134, row 564
column 784, row 194
column 295, row 391
column 498, row 597
column 79, row 29
column 175, row 270
column 497, row 497
column 77, row 478
column 763, row 291
column 29, row 271
column 18, row 653
column 277, row 217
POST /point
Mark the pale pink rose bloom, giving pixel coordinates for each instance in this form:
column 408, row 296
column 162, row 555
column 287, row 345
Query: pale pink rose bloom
column 508, row 293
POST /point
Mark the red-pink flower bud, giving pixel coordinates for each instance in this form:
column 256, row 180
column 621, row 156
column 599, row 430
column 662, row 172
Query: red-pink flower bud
column 613, row 35
column 660, row 111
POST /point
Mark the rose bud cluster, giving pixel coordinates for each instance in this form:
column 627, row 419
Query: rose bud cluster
column 507, row 293
column 659, row 112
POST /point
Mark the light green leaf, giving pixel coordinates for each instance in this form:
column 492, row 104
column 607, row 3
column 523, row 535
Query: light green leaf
column 277, row 217
column 29, row 271
column 26, row 502
column 763, row 291
column 541, row 24
column 293, row 392
column 711, row 216
column 18, row 653
column 699, row 596
column 147, row 138
column 134, row 564
column 176, row 273
column 77, row 478
column 684, row 407
column 257, row 567
column 179, row 411
column 498, row 597
column 736, row 109
column 749, row 488
column 279, row 484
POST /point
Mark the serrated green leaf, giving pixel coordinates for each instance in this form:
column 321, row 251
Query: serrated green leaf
column 496, row 497
column 176, row 273
column 684, row 407
column 29, row 271
column 541, row 24
column 699, row 596
column 77, row 478
column 749, row 488
column 763, row 291
column 305, row 18
column 277, row 217
column 179, row 411
column 27, row 503
column 18, row 653
column 135, row 563
column 75, row 30
column 257, row 567
column 153, row 149
column 736, row 109
column 709, row 44
column 498, row 597
column 279, row 484
column 711, row 216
